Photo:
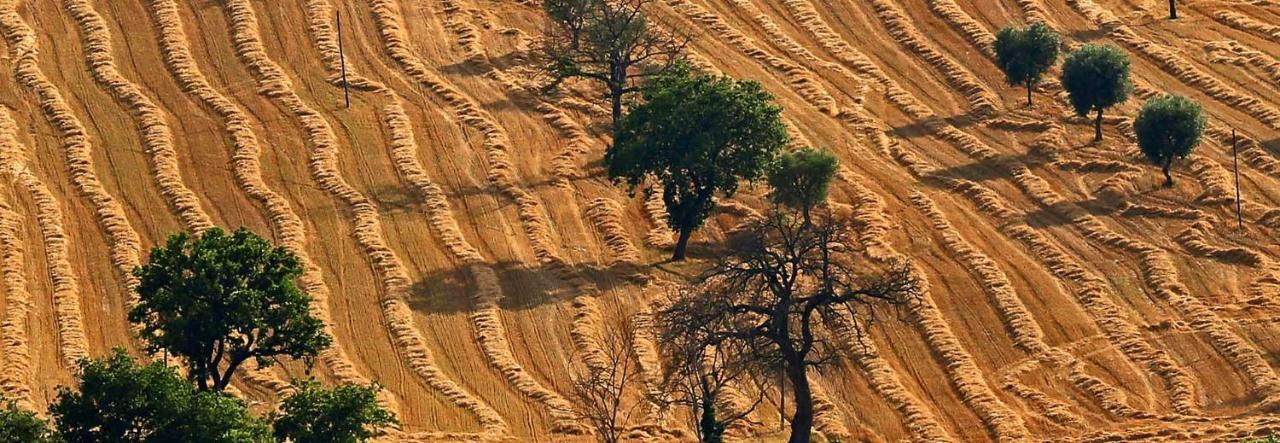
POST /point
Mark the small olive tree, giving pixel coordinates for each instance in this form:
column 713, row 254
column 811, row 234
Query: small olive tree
column 1096, row 77
column 346, row 414
column 800, row 179
column 21, row 426
column 1026, row 54
column 607, row 41
column 1169, row 127
column 697, row 136
column 218, row 300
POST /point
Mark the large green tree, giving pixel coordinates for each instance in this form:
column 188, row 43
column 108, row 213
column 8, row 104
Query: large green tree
column 801, row 178
column 19, row 426
column 1026, row 54
column 345, row 414
column 218, row 300
column 696, row 135
column 1096, row 77
column 606, row 41
column 117, row 400
column 1169, row 127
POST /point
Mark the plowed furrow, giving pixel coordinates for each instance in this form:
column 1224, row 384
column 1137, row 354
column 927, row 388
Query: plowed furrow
column 16, row 371
column 275, row 85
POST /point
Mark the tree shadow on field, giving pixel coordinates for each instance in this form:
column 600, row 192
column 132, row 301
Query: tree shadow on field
column 1088, row 35
column 522, row 286
column 988, row 169
column 1271, row 146
column 1061, row 214
column 924, row 127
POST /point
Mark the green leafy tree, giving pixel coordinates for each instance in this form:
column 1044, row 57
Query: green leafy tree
column 346, row 414
column 606, row 41
column 800, row 179
column 219, row 300
column 696, row 135
column 1026, row 54
column 1169, row 127
column 1096, row 77
column 118, row 400
column 19, row 426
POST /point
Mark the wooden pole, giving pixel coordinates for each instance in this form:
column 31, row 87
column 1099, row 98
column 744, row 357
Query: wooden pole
column 342, row 60
column 1235, row 162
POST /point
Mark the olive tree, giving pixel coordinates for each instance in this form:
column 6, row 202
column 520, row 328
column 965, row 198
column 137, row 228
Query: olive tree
column 607, row 41
column 346, row 414
column 696, row 136
column 217, row 300
column 118, row 400
column 1169, row 127
column 782, row 291
column 800, row 179
column 1096, row 77
column 1026, row 54
column 21, row 426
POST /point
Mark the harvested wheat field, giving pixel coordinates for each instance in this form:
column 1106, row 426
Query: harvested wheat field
column 465, row 247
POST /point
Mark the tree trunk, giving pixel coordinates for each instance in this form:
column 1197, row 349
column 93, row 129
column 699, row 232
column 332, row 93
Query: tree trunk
column 615, row 97
column 1173, row 9
column 686, row 231
column 1097, row 127
column 802, row 421
column 1028, row 93
column 1168, row 179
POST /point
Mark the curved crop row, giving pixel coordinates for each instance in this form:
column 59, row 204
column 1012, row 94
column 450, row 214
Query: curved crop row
column 1092, row 295
column 15, row 373
column 1026, row 333
column 1236, row 53
column 125, row 244
column 150, row 120
column 276, row 86
column 981, row 100
column 1248, row 24
column 1177, row 66
column 974, row 32
column 1055, row 410
column 325, row 37
column 606, row 214
column 247, row 171
column 1194, row 240
column 66, row 288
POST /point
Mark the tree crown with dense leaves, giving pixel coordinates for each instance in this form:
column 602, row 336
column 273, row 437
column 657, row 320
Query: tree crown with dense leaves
column 345, row 414
column 219, row 300
column 20, row 426
column 696, row 135
column 118, row 400
column 1096, row 77
column 1168, row 128
column 800, row 179
column 1026, row 54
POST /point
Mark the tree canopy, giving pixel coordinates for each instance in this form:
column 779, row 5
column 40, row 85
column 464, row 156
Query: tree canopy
column 20, row 426
column 1096, row 77
column 118, row 400
column 1169, row 127
column 1026, row 54
column 219, row 300
column 345, row 414
column 607, row 41
column 800, row 179
column 696, row 136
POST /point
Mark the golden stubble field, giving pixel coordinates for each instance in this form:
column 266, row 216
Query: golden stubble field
column 464, row 246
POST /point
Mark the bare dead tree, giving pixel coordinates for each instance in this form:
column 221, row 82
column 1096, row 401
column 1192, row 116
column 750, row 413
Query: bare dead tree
column 607, row 41
column 599, row 393
column 698, row 372
column 779, row 292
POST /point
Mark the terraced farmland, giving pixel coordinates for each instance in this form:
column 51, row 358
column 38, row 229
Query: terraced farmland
column 464, row 246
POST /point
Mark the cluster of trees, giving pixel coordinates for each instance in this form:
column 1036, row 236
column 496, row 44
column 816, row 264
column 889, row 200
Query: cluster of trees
column 214, row 302
column 1096, row 78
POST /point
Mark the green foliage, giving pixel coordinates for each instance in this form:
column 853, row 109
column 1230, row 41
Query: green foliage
column 1026, row 54
column 346, row 414
column 696, row 135
column 120, row 401
column 1096, row 77
column 1169, row 127
column 221, row 299
column 19, row 426
column 800, row 179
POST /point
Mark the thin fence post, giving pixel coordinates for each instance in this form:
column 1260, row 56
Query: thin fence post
column 1235, row 163
column 342, row 60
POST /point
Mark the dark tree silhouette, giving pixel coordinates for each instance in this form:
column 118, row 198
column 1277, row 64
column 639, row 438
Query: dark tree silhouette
column 780, row 290
column 345, row 414
column 1026, row 54
column 607, row 41
column 1169, row 127
column 1096, row 77
column 801, row 178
